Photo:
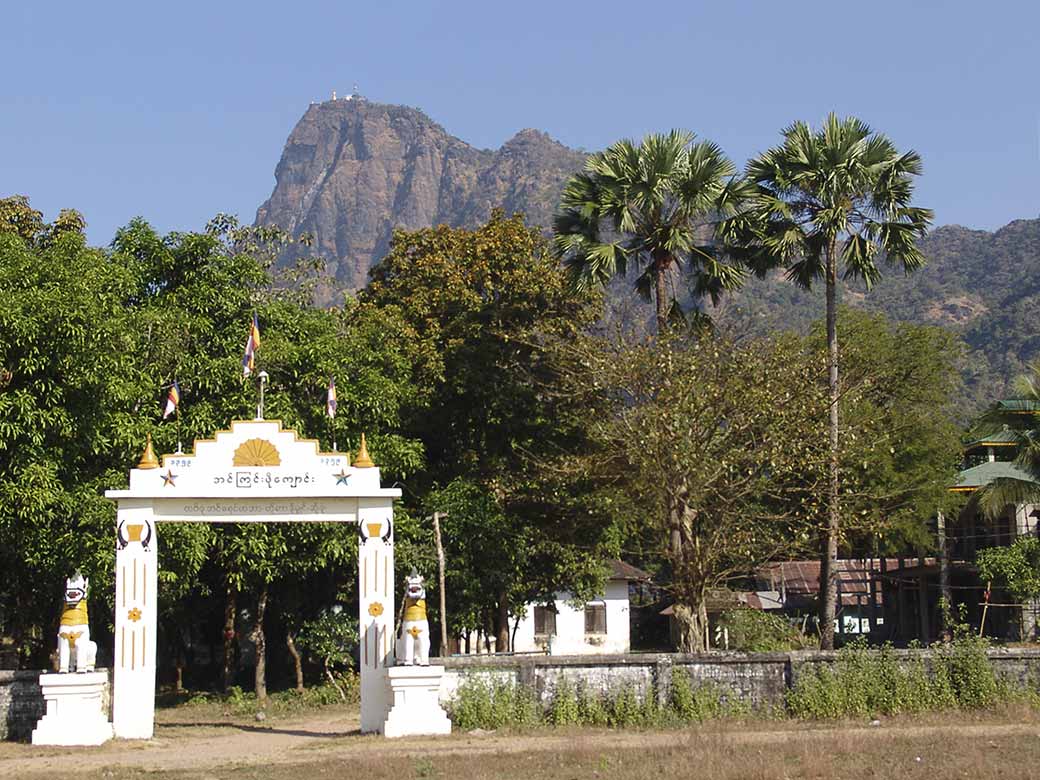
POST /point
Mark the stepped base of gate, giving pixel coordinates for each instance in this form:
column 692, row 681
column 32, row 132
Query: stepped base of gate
column 415, row 709
column 74, row 715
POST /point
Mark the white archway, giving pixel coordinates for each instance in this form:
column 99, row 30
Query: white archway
column 256, row 472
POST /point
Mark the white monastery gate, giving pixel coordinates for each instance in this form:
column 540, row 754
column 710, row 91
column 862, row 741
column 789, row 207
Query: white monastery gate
column 257, row 472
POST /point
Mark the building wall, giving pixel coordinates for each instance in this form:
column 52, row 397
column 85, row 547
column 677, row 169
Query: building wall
column 571, row 638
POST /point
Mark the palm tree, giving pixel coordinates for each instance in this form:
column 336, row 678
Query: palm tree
column 837, row 196
column 650, row 206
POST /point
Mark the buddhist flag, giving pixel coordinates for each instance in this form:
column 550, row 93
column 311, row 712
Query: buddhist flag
column 330, row 403
column 252, row 345
column 173, row 400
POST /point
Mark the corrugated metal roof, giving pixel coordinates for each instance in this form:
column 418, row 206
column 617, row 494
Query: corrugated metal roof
column 801, row 579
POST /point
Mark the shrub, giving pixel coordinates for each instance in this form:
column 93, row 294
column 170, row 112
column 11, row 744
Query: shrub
column 564, row 710
column 591, row 711
column 865, row 682
column 755, row 631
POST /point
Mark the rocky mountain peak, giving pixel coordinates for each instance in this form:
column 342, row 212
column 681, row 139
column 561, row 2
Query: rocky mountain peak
column 353, row 170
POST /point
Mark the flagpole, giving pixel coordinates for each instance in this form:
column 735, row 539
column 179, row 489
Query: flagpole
column 180, row 446
column 260, row 406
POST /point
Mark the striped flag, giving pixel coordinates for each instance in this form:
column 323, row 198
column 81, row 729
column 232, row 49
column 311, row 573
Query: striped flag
column 330, row 403
column 252, row 345
column 173, row 400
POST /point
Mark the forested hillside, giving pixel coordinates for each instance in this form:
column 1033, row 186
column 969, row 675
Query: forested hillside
column 981, row 285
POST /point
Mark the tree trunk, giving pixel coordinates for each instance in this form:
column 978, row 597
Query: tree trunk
column 332, row 679
column 690, row 627
column 230, row 610
column 260, row 641
column 660, row 273
column 829, row 559
column 502, row 625
column 297, row 663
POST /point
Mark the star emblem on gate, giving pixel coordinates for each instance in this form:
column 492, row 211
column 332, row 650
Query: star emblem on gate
column 168, row 478
column 342, row 477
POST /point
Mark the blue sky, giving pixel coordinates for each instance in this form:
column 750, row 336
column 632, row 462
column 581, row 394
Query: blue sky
column 176, row 111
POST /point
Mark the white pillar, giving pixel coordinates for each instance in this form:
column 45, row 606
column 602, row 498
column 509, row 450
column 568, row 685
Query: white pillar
column 376, row 587
column 136, row 610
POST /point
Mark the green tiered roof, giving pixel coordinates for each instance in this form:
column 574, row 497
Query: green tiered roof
column 1018, row 405
column 998, row 439
column 984, row 473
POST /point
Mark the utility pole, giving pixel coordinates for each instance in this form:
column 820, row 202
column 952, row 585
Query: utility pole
column 440, row 580
column 945, row 592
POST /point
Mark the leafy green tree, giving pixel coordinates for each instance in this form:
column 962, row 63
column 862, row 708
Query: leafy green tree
column 68, row 388
column 899, row 448
column 483, row 303
column 198, row 293
column 88, row 341
column 836, row 197
column 714, row 444
column 1015, row 567
column 652, row 208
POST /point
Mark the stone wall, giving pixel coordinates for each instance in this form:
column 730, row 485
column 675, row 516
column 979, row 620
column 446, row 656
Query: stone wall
column 760, row 679
column 21, row 702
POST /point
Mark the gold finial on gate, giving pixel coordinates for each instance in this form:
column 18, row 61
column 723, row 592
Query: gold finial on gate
column 148, row 459
column 363, row 461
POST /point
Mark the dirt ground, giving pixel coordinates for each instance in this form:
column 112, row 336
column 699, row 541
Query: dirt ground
column 326, row 743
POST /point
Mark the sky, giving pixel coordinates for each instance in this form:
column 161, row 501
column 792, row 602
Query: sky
column 178, row 111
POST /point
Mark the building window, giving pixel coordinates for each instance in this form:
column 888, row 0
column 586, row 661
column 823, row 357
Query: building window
column 596, row 618
column 544, row 621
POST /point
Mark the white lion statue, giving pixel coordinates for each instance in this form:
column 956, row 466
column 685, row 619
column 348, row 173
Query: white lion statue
column 414, row 647
column 74, row 632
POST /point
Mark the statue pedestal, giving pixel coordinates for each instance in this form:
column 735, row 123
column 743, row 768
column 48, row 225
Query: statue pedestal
column 74, row 715
column 415, row 709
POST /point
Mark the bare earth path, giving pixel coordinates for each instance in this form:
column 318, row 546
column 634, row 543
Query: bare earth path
column 198, row 749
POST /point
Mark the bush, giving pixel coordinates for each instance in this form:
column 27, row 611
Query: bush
column 866, row 683
column 755, row 631
column 486, row 705
column 564, row 709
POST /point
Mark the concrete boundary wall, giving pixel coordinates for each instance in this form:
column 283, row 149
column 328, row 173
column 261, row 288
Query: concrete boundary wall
column 759, row 679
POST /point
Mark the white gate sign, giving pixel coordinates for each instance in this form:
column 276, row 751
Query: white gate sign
column 257, row 472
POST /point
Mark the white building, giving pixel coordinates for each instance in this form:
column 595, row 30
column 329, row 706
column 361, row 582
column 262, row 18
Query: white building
column 599, row 626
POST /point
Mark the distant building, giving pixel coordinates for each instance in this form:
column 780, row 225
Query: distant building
column 602, row 625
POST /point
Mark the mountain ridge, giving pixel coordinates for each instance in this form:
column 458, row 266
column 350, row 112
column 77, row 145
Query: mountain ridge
column 353, row 170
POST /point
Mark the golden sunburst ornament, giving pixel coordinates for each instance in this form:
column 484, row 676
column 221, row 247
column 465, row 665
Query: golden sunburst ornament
column 256, row 452
column 134, row 615
column 375, row 609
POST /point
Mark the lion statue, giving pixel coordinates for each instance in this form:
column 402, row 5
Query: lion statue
column 414, row 648
column 74, row 632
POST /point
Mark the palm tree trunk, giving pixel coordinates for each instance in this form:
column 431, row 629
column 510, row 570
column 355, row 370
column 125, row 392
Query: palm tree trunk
column 661, row 265
column 829, row 559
